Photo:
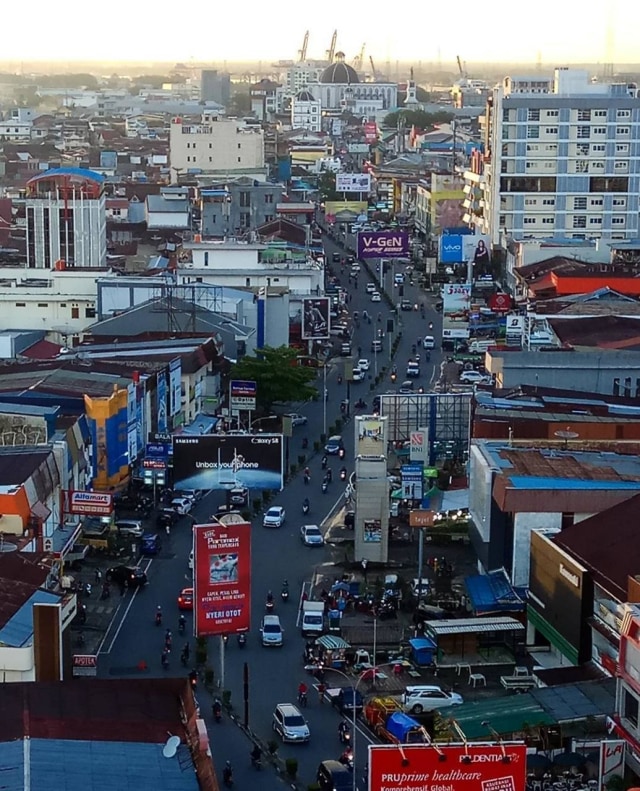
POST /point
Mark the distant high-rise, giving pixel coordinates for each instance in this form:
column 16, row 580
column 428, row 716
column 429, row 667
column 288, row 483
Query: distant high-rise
column 215, row 87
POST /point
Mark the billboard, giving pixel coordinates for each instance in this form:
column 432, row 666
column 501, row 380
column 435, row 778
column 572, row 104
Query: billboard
column 465, row 767
column 221, row 578
column 353, row 182
column 96, row 503
column 213, row 461
column 412, row 477
column 175, row 386
column 358, row 148
column 370, row 131
column 456, row 302
column 242, row 394
column 163, row 425
column 315, row 319
column 383, row 244
column 334, row 209
column 457, row 248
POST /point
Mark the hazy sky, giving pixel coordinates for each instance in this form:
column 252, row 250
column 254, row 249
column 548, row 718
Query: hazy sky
column 559, row 31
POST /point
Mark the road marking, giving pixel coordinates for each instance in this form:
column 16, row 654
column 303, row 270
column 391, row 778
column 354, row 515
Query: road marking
column 122, row 620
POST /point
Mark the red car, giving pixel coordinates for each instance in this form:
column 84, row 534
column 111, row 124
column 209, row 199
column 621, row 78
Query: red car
column 185, row 599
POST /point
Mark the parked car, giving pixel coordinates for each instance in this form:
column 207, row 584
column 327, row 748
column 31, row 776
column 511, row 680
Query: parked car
column 130, row 527
column 185, row 599
column 333, row 445
column 274, row 517
column 347, row 699
column 181, row 505
column 311, row 536
column 239, row 495
column 297, row 420
column 474, row 377
column 150, row 545
column 289, row 723
column 428, row 698
column 130, row 576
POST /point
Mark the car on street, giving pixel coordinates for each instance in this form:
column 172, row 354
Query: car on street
column 474, row 377
column 398, row 278
column 296, row 419
column 363, row 364
column 406, row 305
column 239, row 495
column 346, row 699
column 271, row 631
column 355, row 267
column 181, row 505
column 421, row 698
column 129, row 576
column 130, row 527
column 223, row 509
column 335, row 257
column 311, row 536
column 420, row 588
column 351, row 260
column 429, row 342
column 194, row 495
column 274, row 517
column 185, row 599
column 334, row 443
column 357, row 375
column 370, row 288
column 334, row 776
column 376, row 346
column 289, row 724
column 375, row 297
column 413, row 369
column 406, row 387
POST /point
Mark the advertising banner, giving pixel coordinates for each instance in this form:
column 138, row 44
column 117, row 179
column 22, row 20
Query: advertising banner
column 612, row 760
column 84, row 665
column 315, row 319
column 372, row 531
column 175, row 386
column 470, row 767
column 457, row 248
column 456, row 302
column 162, row 403
column 370, row 132
column 132, row 433
column 383, row 244
column 333, row 209
column 412, row 477
column 96, row 503
column 419, row 445
column 214, row 461
column 242, row 394
column 221, row 578
column 358, row 148
column 353, row 182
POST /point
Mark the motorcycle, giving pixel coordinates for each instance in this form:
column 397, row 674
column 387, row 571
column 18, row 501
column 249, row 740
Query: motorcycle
column 302, row 699
column 165, row 659
column 343, row 474
column 305, row 507
column 305, row 443
column 181, row 624
column 242, row 639
column 325, row 487
column 255, row 756
column 323, row 463
column 217, row 711
column 227, row 775
column 329, row 475
column 269, row 606
column 284, row 593
column 341, row 453
column 346, row 759
column 360, row 404
column 345, row 735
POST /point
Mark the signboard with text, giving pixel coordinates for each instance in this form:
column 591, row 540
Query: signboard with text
column 222, row 578
column 96, row 503
column 84, row 665
column 463, row 767
column 383, row 244
column 242, row 394
column 353, row 182
column 456, row 302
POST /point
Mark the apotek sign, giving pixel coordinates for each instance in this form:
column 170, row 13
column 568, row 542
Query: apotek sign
column 449, row 767
column 222, row 578
column 383, row 244
column 97, row 503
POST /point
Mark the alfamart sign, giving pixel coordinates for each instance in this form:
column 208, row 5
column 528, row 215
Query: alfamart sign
column 383, row 244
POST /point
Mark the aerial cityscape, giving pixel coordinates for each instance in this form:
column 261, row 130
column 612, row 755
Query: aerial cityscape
column 320, row 401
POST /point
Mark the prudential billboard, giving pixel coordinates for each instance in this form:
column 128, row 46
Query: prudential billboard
column 383, row 244
column 213, row 461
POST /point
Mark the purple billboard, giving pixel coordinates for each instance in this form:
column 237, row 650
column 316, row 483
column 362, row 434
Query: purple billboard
column 383, row 244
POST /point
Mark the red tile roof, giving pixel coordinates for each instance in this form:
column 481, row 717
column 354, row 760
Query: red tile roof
column 42, row 350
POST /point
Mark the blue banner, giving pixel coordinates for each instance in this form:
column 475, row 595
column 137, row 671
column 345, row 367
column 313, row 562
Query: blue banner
column 162, row 403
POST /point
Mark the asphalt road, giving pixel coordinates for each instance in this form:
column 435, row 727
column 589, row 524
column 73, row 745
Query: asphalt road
column 277, row 554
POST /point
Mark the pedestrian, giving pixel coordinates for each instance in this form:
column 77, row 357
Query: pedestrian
column 321, row 690
column 359, row 351
column 364, row 563
column 98, row 576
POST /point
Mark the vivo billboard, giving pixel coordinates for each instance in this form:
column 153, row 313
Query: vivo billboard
column 383, row 244
column 220, row 461
column 222, row 578
column 458, row 248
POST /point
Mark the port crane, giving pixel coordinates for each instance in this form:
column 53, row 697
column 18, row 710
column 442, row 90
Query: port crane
column 359, row 59
column 331, row 52
column 373, row 68
column 302, row 52
column 461, row 69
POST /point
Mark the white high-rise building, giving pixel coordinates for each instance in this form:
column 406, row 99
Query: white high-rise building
column 66, row 220
column 561, row 159
column 306, row 112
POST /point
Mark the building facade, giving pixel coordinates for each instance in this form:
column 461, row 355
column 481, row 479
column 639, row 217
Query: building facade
column 306, row 112
column 66, row 219
column 562, row 158
column 214, row 144
column 238, row 206
column 215, row 86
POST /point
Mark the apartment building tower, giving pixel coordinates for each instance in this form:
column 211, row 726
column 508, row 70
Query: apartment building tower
column 561, row 159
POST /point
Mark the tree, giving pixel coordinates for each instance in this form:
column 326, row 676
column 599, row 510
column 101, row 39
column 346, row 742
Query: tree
column 240, row 104
column 277, row 375
column 327, row 186
column 417, row 118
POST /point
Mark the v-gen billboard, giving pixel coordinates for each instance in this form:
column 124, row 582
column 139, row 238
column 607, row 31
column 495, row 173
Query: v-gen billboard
column 222, row 578
column 214, row 461
column 383, row 244
column 470, row 767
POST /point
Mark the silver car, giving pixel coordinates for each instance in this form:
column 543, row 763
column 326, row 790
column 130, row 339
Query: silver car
column 289, row 723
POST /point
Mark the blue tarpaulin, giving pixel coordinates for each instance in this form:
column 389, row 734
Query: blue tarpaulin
column 493, row 592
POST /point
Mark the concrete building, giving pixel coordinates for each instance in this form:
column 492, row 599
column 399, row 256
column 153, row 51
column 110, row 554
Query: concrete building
column 214, row 145
column 266, row 98
column 215, row 86
column 306, row 112
column 238, row 206
column 438, row 203
column 66, row 219
column 562, row 158
column 170, row 210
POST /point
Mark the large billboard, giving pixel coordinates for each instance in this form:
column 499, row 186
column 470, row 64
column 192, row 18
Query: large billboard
column 353, row 182
column 222, row 578
column 218, row 461
column 383, row 244
column 162, row 396
column 175, row 386
column 463, row 767
column 242, row 394
column 315, row 319
column 457, row 248
column 456, row 302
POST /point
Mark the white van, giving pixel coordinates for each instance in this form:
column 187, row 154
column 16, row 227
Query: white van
column 480, row 347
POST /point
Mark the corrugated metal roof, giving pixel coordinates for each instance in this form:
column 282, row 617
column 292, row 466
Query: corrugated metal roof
column 507, row 715
column 19, row 629
column 331, row 642
column 570, row 702
column 473, row 626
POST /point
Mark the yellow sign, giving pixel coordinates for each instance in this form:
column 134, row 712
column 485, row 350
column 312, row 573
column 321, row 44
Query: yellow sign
column 334, row 207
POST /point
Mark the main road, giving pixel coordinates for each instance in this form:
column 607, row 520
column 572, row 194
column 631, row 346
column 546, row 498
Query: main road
column 277, row 554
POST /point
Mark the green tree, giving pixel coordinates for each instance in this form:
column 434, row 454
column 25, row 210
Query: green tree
column 277, row 375
column 240, row 103
column 327, row 186
column 417, row 118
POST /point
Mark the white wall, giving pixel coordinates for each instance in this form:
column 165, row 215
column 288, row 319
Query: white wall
column 17, row 664
column 166, row 219
column 480, row 492
column 523, row 524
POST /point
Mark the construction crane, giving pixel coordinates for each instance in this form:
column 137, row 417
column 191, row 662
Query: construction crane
column 373, row 67
column 302, row 52
column 463, row 71
column 332, row 49
column 359, row 59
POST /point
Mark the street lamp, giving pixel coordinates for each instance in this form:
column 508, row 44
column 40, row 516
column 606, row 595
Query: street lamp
column 261, row 419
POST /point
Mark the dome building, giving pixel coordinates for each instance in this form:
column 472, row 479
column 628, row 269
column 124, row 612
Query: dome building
column 306, row 112
column 339, row 89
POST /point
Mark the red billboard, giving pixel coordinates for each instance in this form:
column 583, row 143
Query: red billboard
column 370, row 132
column 221, row 579
column 455, row 767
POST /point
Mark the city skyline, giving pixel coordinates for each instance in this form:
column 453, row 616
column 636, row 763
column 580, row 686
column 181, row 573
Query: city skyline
column 556, row 33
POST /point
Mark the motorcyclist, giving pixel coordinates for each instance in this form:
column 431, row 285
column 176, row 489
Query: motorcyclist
column 217, row 708
column 158, row 615
column 343, row 729
column 302, row 691
column 329, row 475
column 285, row 587
column 306, row 505
column 182, row 621
column 269, row 597
column 324, row 462
column 256, row 755
column 227, row 774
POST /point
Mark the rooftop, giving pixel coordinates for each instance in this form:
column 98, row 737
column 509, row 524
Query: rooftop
column 605, row 331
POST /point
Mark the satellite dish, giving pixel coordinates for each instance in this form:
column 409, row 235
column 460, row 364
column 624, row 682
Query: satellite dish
column 171, row 746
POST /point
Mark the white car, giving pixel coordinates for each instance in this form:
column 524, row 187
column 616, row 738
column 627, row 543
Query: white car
column 429, row 342
column 355, row 268
column 375, row 297
column 363, row 364
column 474, row 378
column 271, row 631
column 311, row 536
column 398, row 278
column 370, row 288
column 296, row 419
column 274, row 517
column 181, row 505
column 357, row 375
column 428, row 698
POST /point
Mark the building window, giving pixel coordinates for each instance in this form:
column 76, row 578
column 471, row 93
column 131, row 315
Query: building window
column 595, row 220
column 505, row 114
column 75, row 312
column 89, row 312
column 582, row 149
column 596, row 201
column 245, row 200
column 580, row 221
column 600, row 114
column 551, row 130
column 622, row 202
column 623, row 131
column 530, row 201
column 583, row 131
column 616, row 387
column 622, row 148
column 21, row 304
column 599, row 130
column 598, row 147
column 623, row 165
column 533, row 115
column 617, row 220
column 552, row 113
column 268, row 198
column 43, row 304
column 533, row 132
column 239, row 159
column 580, row 203
column 627, row 394
column 584, row 115
column 530, row 147
column 529, row 220
column 623, row 114
column 239, row 145
column 637, row 388
column 547, row 220
column 548, row 201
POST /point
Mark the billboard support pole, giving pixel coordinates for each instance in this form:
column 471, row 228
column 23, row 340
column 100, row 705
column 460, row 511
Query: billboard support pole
column 222, row 650
column 324, row 399
column 420, row 561
column 245, row 674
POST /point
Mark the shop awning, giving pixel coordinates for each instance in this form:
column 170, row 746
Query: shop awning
column 203, row 424
column 473, row 626
column 493, row 593
column 332, row 643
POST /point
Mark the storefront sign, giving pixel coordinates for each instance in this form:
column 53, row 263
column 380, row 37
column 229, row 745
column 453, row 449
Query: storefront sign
column 242, row 394
column 97, row 503
column 419, row 518
column 570, row 576
column 84, row 665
